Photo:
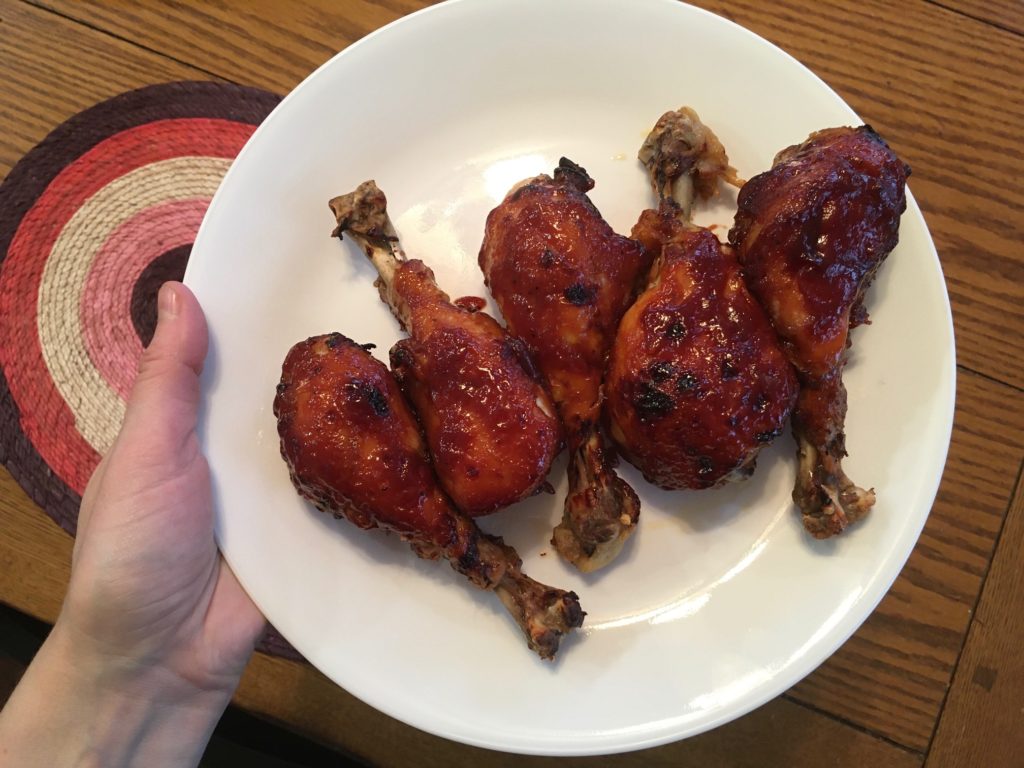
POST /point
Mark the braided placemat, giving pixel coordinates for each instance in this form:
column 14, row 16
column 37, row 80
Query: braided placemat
column 92, row 221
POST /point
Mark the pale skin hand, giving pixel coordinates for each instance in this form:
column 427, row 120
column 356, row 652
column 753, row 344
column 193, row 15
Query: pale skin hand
column 155, row 630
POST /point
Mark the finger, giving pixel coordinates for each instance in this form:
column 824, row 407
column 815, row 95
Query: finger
column 165, row 396
column 161, row 410
column 170, row 366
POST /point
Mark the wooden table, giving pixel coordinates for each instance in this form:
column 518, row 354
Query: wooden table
column 935, row 676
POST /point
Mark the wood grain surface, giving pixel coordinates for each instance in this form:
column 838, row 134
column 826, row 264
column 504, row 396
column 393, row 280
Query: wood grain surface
column 983, row 722
column 266, row 43
column 926, row 679
column 35, row 554
column 1008, row 14
column 43, row 86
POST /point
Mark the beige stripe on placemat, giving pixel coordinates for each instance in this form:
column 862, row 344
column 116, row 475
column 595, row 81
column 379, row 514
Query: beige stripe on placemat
column 97, row 408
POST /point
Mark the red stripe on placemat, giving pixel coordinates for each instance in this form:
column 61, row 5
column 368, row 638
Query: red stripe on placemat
column 49, row 423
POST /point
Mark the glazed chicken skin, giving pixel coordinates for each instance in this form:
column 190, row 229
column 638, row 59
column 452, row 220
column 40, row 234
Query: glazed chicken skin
column 490, row 424
column 354, row 449
column 563, row 279
column 810, row 234
column 697, row 384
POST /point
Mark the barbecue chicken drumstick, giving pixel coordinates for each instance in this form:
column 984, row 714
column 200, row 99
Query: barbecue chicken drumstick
column 490, row 425
column 563, row 278
column 697, row 383
column 810, row 233
column 354, row 449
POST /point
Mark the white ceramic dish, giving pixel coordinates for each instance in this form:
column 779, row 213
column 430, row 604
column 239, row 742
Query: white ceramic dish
column 721, row 602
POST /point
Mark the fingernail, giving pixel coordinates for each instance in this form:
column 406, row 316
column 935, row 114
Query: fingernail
column 167, row 302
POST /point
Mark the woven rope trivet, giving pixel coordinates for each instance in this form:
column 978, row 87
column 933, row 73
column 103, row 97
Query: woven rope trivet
column 92, row 221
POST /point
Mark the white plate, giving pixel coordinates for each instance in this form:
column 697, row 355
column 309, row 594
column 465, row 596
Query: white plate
column 721, row 602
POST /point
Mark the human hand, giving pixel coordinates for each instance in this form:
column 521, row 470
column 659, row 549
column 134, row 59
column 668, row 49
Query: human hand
column 153, row 616
column 148, row 585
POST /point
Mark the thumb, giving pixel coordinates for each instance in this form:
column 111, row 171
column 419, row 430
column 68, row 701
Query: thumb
column 165, row 397
column 156, row 438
